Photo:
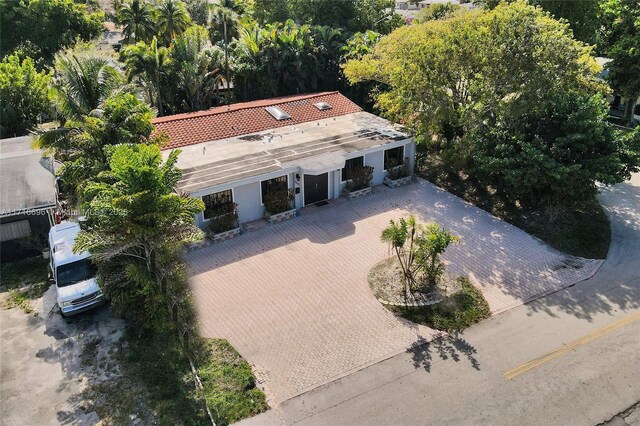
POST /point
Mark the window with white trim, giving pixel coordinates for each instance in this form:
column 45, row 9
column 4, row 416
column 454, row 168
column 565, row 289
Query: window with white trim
column 215, row 204
column 393, row 157
column 351, row 164
column 270, row 186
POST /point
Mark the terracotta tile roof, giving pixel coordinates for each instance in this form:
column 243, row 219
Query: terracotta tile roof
column 248, row 117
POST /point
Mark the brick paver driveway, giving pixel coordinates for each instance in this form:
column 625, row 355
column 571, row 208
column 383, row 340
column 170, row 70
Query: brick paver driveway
column 293, row 298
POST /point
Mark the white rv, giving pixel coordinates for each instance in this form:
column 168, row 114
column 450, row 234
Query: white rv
column 74, row 274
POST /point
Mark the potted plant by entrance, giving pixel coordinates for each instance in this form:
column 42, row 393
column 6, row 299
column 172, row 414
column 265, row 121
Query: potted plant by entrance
column 278, row 205
column 224, row 220
column 398, row 175
column 359, row 182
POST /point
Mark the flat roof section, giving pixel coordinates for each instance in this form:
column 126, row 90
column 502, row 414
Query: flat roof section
column 27, row 181
column 249, row 156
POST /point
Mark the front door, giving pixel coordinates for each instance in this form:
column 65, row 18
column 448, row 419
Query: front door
column 316, row 188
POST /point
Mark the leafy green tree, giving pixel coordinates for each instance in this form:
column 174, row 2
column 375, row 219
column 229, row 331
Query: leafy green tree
column 279, row 59
column 135, row 233
column 198, row 11
column 360, row 44
column 224, row 23
column 197, row 69
column 554, row 156
column 375, row 15
column 329, row 42
column 172, row 19
column 123, row 120
column 323, row 12
column 138, row 20
column 269, row 11
column 447, row 81
column 437, row 11
column 621, row 43
column 23, row 95
column 42, row 27
column 582, row 16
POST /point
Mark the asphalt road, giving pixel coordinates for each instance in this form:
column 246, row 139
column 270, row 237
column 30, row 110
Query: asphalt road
column 571, row 358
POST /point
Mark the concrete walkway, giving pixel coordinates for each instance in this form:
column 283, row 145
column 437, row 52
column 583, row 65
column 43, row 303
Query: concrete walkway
column 293, row 298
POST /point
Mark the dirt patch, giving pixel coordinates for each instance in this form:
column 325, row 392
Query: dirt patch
column 48, row 362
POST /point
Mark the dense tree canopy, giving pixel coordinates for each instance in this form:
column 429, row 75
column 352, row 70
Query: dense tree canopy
column 621, row 42
column 582, row 15
column 350, row 15
column 135, row 232
column 23, row 95
column 41, row 27
column 80, row 144
column 485, row 90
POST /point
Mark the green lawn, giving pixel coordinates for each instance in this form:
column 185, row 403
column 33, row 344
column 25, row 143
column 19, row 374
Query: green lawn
column 157, row 385
column 229, row 384
column 455, row 313
column 28, row 271
column 25, row 280
column 582, row 231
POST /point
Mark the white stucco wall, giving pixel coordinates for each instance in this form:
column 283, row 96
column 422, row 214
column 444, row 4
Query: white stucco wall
column 247, row 197
column 375, row 160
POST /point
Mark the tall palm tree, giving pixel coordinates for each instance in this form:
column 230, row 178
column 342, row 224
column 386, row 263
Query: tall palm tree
column 198, row 69
column 137, row 19
column 150, row 64
column 329, row 42
column 224, row 21
column 173, row 19
column 247, row 62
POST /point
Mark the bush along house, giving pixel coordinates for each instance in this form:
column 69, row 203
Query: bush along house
column 270, row 158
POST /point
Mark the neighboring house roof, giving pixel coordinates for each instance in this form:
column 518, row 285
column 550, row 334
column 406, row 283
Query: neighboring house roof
column 27, row 181
column 249, row 117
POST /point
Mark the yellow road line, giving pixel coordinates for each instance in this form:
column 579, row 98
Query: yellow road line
column 571, row 346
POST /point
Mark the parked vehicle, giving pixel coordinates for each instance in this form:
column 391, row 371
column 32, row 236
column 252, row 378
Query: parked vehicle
column 74, row 274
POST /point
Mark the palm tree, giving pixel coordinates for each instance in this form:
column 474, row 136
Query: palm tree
column 137, row 19
column 137, row 251
column 247, row 62
column 149, row 63
column 198, row 69
column 224, row 22
column 329, row 42
column 173, row 19
column 82, row 84
column 81, row 144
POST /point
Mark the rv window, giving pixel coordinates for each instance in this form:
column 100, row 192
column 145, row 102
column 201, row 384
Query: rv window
column 74, row 272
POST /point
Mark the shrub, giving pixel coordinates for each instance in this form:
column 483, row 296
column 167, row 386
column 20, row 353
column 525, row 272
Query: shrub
column 418, row 249
column 225, row 217
column 360, row 178
column 400, row 171
column 278, row 201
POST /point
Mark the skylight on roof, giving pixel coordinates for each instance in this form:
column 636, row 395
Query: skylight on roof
column 277, row 113
column 322, row 106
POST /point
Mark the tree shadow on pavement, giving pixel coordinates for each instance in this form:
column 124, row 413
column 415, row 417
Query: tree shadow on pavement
column 447, row 347
column 616, row 285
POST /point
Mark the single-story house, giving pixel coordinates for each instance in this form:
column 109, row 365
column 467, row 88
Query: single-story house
column 27, row 196
column 306, row 143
